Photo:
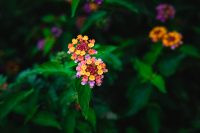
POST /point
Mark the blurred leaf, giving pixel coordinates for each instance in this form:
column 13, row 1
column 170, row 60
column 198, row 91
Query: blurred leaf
column 139, row 98
column 83, row 127
column 143, row 69
column 49, row 42
column 153, row 117
column 146, row 72
column 32, row 105
column 74, row 7
column 68, row 97
column 2, row 79
column 92, row 19
column 23, row 76
column 46, row 32
column 112, row 60
column 53, row 68
column 168, row 66
column 108, row 55
column 70, row 122
column 190, row 50
column 84, row 96
column 8, row 104
column 92, row 118
column 31, row 113
column 46, row 119
column 151, row 57
column 158, row 81
column 48, row 18
column 124, row 3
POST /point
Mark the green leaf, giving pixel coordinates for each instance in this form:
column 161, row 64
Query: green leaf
column 68, row 97
column 108, row 55
column 46, row 119
column 54, row 68
column 48, row 18
column 159, row 82
column 84, row 96
column 46, row 32
column 2, row 80
column 143, row 69
column 92, row 19
column 138, row 98
column 24, row 74
column 31, row 113
column 124, row 3
column 146, row 72
column 151, row 57
column 49, row 42
column 92, row 118
column 153, row 117
column 70, row 122
column 13, row 100
column 74, row 7
column 169, row 65
column 190, row 50
column 32, row 105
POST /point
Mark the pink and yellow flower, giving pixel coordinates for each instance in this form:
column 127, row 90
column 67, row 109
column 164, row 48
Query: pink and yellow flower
column 91, row 71
column 157, row 33
column 172, row 39
column 81, row 46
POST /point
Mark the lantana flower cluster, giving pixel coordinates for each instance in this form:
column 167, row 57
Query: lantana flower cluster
column 92, row 5
column 165, row 12
column 171, row 39
column 80, row 47
column 89, row 68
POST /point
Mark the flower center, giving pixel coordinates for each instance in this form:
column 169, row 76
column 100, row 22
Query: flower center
column 82, row 46
column 157, row 32
column 92, row 69
column 171, row 39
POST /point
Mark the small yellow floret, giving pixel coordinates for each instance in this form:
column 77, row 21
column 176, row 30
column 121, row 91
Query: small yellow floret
column 92, row 77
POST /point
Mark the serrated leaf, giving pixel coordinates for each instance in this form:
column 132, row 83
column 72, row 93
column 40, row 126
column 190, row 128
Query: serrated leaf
column 124, row 3
column 46, row 119
column 8, row 104
column 159, row 82
column 84, row 96
column 92, row 19
column 74, row 7
column 190, row 50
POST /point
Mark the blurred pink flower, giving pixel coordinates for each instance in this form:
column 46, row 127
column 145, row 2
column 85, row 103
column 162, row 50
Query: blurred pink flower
column 56, row 31
column 40, row 44
column 164, row 12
